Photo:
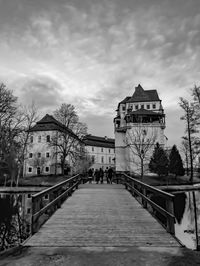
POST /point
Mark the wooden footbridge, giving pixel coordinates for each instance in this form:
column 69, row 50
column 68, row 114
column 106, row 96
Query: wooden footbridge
column 103, row 215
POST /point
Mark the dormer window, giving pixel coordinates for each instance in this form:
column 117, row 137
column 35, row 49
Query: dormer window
column 136, row 107
column 123, row 108
column 148, row 106
column 154, row 106
column 142, row 106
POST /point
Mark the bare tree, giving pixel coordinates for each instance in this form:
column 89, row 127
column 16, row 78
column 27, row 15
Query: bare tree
column 67, row 142
column 38, row 162
column 185, row 150
column 30, row 117
column 141, row 140
column 191, row 120
column 15, row 122
column 83, row 162
column 9, row 127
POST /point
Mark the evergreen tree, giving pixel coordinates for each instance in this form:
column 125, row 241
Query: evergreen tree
column 175, row 162
column 159, row 161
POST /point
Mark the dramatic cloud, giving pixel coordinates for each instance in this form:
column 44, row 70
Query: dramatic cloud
column 93, row 53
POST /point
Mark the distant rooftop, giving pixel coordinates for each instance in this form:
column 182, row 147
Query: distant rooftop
column 97, row 141
column 49, row 123
column 141, row 95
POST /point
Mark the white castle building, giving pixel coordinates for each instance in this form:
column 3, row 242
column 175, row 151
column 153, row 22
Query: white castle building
column 101, row 150
column 41, row 158
column 139, row 125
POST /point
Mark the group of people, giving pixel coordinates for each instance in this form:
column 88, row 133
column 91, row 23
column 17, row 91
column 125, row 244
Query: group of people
column 98, row 175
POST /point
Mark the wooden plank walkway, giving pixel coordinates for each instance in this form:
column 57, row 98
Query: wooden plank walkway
column 101, row 216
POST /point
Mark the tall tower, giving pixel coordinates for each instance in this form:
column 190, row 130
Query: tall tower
column 140, row 122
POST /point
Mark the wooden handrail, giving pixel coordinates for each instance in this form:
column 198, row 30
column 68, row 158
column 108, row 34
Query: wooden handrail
column 168, row 213
column 56, row 194
column 150, row 188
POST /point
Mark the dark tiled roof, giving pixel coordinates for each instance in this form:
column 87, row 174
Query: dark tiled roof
column 141, row 95
column 126, row 99
column 49, row 123
column 91, row 140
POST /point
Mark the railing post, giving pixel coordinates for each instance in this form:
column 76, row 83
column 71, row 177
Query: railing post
column 170, row 220
column 144, row 202
column 77, row 180
column 34, row 210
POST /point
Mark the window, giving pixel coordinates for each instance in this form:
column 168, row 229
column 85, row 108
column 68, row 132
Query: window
column 136, row 107
column 29, row 196
column 31, row 139
column 102, row 159
column 148, row 106
column 30, row 155
column 29, row 210
column 144, row 132
column 109, row 150
column 39, row 154
column 123, row 108
column 142, row 106
column 93, row 159
column 92, row 148
column 38, row 171
column 48, row 138
column 47, row 154
column 39, row 138
column 47, row 168
column 154, row 106
column 101, row 149
column 46, row 196
column 109, row 159
column 30, row 169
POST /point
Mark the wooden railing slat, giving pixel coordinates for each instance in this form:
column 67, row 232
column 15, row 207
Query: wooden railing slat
column 131, row 182
column 54, row 198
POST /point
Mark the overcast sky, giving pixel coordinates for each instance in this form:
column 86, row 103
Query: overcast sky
column 93, row 53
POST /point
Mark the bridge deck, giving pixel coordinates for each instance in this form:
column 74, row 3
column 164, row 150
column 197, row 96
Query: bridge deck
column 101, row 216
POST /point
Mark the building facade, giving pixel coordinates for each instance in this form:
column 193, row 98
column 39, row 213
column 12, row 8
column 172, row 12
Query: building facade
column 139, row 124
column 101, row 150
column 43, row 158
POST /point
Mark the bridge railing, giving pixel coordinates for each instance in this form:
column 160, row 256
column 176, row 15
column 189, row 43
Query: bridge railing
column 46, row 202
column 144, row 194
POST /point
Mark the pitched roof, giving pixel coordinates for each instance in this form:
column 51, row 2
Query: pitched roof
column 91, row 140
column 141, row 95
column 126, row 99
column 49, row 123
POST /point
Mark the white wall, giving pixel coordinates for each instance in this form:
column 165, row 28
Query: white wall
column 40, row 147
column 98, row 153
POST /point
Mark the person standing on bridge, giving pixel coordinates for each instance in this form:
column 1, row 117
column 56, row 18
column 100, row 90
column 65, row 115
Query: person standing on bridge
column 97, row 176
column 110, row 175
column 101, row 174
column 90, row 174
